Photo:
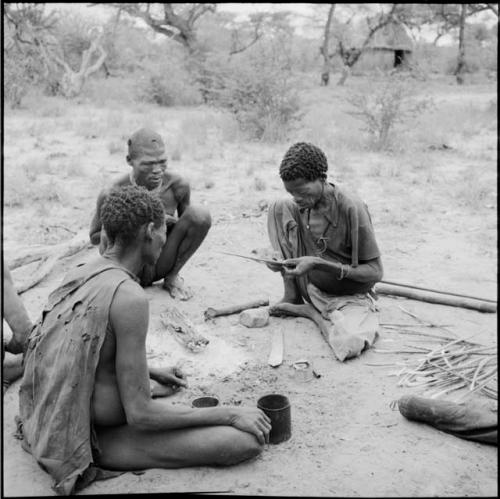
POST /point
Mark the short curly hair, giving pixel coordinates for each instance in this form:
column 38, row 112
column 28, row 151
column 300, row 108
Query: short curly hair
column 126, row 209
column 304, row 160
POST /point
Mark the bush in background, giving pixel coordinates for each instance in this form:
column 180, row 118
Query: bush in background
column 165, row 81
column 258, row 89
column 391, row 104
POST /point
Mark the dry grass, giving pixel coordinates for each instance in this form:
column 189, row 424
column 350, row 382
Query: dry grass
column 207, row 145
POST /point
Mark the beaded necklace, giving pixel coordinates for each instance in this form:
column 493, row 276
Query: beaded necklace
column 156, row 190
column 320, row 241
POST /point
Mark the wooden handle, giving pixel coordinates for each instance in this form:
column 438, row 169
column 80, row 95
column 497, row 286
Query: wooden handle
column 211, row 312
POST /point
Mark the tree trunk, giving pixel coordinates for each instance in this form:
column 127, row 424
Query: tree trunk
column 346, row 71
column 461, row 45
column 325, row 74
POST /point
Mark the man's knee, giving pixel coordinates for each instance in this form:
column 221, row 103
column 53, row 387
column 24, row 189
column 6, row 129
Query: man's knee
column 282, row 205
column 238, row 448
column 197, row 216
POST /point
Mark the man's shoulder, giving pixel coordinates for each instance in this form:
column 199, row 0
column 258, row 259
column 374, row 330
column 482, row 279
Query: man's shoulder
column 349, row 199
column 129, row 297
column 119, row 182
column 175, row 180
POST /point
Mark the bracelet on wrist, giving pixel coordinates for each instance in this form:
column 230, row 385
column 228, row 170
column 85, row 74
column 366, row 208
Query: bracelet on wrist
column 341, row 272
column 347, row 270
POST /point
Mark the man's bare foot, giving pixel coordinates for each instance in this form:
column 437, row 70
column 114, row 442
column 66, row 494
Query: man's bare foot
column 301, row 310
column 284, row 307
column 177, row 289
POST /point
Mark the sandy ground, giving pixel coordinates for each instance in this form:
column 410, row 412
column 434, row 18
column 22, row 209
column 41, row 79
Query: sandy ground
column 346, row 440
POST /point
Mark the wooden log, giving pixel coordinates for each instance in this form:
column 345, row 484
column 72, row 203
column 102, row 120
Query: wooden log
column 411, row 286
column 450, row 300
column 211, row 312
column 25, row 256
column 52, row 255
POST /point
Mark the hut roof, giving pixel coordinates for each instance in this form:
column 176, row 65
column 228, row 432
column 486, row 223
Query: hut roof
column 393, row 36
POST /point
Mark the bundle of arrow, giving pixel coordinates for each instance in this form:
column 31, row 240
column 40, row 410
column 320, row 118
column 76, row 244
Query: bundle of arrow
column 457, row 363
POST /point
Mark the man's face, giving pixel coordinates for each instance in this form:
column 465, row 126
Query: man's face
column 305, row 193
column 148, row 170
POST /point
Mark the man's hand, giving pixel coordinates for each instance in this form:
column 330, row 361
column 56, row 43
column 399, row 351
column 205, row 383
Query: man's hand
column 170, row 220
column 169, row 376
column 274, row 256
column 300, row 266
column 252, row 420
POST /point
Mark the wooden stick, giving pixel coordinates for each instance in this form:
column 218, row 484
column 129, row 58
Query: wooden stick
column 276, row 354
column 411, row 286
column 425, row 323
column 78, row 243
column 417, row 333
column 211, row 312
column 453, row 301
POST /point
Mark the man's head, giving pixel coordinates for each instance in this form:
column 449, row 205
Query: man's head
column 303, row 172
column 131, row 214
column 146, row 155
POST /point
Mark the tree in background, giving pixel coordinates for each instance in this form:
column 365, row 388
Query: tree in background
column 324, row 49
column 67, row 59
column 446, row 18
column 178, row 24
column 350, row 56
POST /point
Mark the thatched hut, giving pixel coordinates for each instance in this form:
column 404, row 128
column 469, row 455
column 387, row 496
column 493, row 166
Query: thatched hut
column 390, row 47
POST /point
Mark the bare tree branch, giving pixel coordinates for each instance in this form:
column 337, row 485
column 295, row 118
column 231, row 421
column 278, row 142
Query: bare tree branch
column 493, row 7
column 257, row 23
column 180, row 28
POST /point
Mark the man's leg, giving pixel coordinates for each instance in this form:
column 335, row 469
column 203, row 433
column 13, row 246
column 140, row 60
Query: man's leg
column 184, row 239
column 301, row 310
column 354, row 328
column 282, row 229
column 125, row 448
column 12, row 369
column 182, row 242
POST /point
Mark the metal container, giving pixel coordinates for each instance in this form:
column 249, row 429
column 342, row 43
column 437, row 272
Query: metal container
column 277, row 408
column 205, row 402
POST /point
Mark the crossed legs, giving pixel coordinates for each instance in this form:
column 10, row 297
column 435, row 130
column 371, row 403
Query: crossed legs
column 126, row 448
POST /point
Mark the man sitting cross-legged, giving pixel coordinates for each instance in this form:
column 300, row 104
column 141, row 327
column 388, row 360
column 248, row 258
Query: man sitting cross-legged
column 186, row 230
column 85, row 401
column 331, row 256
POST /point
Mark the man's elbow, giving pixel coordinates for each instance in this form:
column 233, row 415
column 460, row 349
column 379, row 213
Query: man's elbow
column 137, row 418
column 139, row 415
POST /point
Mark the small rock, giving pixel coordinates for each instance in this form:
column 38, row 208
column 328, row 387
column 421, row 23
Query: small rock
column 254, row 317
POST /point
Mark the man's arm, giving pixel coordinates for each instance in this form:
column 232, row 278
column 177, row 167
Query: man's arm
column 182, row 192
column 15, row 314
column 96, row 224
column 370, row 271
column 129, row 319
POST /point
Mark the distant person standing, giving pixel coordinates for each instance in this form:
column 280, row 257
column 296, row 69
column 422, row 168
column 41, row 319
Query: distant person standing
column 187, row 225
column 331, row 258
